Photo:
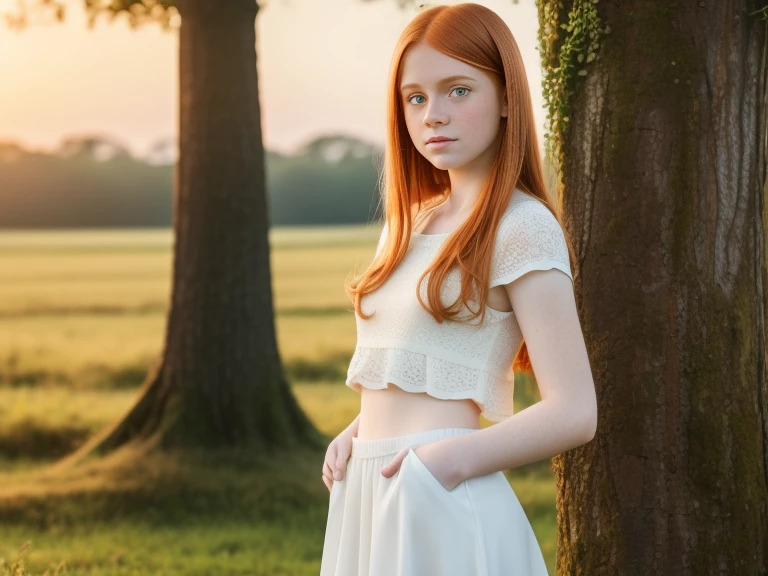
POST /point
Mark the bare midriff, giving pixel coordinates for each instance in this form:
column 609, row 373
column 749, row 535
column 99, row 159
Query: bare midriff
column 394, row 412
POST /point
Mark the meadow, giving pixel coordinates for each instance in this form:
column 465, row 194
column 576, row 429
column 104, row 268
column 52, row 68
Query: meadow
column 82, row 318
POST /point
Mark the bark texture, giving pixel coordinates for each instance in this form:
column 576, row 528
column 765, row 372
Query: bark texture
column 664, row 199
column 220, row 380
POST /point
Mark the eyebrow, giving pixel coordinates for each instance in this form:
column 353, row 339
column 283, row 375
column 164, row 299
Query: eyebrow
column 443, row 81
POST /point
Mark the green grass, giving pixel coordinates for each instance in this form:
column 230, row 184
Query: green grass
column 263, row 549
column 83, row 316
column 240, row 514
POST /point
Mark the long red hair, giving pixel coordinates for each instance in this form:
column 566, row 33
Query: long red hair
column 477, row 36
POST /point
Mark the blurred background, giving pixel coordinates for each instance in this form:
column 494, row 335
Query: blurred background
column 88, row 142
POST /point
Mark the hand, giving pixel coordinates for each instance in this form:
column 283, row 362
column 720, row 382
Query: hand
column 335, row 464
column 434, row 458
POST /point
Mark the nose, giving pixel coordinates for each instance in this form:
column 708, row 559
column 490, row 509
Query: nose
column 434, row 115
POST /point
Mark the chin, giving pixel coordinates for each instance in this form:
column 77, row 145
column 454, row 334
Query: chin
column 441, row 161
column 446, row 163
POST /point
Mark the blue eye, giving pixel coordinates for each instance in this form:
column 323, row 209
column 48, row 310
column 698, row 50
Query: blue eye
column 410, row 100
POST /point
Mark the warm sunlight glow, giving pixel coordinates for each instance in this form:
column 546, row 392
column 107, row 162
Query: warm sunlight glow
column 62, row 80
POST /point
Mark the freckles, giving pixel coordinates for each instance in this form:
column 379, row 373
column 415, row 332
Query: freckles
column 476, row 116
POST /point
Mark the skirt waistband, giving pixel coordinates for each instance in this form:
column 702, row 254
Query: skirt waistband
column 372, row 448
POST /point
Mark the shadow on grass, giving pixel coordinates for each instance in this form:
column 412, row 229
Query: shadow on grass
column 168, row 489
column 37, row 440
column 333, row 367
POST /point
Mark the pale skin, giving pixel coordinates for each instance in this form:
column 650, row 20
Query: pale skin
column 469, row 111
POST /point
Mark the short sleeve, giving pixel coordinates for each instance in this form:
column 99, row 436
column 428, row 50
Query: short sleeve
column 529, row 238
column 382, row 239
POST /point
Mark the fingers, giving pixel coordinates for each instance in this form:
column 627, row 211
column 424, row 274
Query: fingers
column 341, row 468
column 333, row 474
column 394, row 465
column 335, row 465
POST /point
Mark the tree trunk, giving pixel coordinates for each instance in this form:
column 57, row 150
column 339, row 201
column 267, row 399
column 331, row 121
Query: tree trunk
column 664, row 189
column 220, row 380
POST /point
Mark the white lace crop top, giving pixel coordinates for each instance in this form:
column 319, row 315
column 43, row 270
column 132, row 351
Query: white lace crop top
column 402, row 343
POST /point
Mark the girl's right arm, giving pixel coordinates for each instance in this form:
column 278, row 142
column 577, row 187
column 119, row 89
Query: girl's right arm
column 354, row 426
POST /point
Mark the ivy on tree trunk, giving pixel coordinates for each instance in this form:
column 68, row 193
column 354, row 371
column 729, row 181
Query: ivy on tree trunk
column 664, row 198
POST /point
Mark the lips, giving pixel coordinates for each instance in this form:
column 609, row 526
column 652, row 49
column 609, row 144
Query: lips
column 440, row 139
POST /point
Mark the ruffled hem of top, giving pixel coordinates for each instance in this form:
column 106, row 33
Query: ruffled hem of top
column 411, row 371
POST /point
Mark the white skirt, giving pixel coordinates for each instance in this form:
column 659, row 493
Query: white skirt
column 410, row 525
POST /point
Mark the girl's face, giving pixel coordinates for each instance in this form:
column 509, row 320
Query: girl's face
column 443, row 96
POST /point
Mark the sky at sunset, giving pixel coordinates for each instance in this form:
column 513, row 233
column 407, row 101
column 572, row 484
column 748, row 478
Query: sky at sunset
column 322, row 69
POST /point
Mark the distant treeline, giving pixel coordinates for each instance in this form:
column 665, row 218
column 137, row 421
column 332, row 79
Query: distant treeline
column 96, row 183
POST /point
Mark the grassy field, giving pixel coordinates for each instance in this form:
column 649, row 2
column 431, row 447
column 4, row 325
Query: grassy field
column 83, row 315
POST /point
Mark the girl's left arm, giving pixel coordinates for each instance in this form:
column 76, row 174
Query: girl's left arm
column 566, row 416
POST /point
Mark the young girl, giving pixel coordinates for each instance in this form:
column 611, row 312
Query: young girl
column 471, row 278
